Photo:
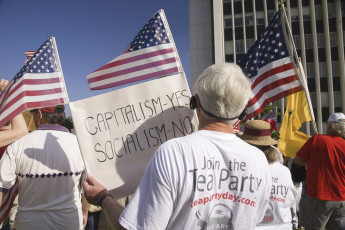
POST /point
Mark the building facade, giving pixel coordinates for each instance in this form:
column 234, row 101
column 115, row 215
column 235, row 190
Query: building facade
column 223, row 30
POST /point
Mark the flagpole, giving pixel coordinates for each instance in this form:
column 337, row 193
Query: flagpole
column 300, row 73
column 59, row 63
column 162, row 13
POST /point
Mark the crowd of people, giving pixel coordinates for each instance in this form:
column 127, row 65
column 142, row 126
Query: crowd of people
column 210, row 179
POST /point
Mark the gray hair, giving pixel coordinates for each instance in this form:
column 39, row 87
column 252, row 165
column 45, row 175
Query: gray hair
column 223, row 90
column 336, row 129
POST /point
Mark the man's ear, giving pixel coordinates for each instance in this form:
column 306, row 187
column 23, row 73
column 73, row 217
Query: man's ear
column 40, row 115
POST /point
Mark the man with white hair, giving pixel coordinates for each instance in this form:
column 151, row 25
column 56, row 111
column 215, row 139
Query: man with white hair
column 323, row 206
column 210, row 179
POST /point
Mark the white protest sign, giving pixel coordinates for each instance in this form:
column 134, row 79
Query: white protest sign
column 118, row 132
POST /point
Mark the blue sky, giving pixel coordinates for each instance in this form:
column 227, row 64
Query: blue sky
column 88, row 33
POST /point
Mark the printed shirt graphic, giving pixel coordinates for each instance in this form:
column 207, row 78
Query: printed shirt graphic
column 211, row 184
column 283, row 196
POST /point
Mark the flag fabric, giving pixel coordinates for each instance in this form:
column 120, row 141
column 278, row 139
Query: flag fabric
column 7, row 201
column 38, row 84
column 297, row 112
column 29, row 54
column 271, row 115
column 27, row 115
column 269, row 67
column 152, row 53
column 271, row 118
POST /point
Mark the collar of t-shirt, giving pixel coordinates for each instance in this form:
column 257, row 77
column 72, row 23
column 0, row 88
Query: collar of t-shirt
column 53, row 127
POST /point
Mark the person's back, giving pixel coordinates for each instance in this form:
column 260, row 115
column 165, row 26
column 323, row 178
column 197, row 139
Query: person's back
column 283, row 196
column 326, row 163
column 213, row 179
column 323, row 205
column 48, row 165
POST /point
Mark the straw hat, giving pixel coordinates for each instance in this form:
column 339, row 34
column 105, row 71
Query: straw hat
column 258, row 132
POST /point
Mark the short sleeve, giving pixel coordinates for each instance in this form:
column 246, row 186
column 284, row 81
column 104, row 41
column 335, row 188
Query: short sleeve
column 304, row 152
column 7, row 169
column 153, row 196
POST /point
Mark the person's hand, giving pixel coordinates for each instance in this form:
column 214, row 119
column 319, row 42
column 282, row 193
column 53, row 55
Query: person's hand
column 3, row 84
column 93, row 191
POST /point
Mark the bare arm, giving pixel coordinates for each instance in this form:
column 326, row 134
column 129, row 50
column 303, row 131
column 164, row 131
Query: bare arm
column 94, row 192
column 85, row 209
column 17, row 130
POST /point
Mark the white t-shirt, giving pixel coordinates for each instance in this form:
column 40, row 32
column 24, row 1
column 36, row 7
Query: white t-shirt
column 207, row 180
column 283, row 196
column 48, row 165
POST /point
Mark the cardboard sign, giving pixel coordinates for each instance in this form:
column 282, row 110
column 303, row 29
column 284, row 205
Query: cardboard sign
column 118, row 132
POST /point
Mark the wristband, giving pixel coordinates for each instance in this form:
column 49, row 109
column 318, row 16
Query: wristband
column 102, row 199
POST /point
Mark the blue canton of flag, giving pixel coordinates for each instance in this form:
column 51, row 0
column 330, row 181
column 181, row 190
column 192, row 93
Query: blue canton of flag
column 268, row 65
column 152, row 34
column 152, row 53
column 43, row 61
column 268, row 48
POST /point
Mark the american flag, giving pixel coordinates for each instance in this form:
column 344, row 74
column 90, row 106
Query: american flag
column 269, row 67
column 39, row 83
column 29, row 54
column 152, row 53
column 271, row 115
column 7, row 201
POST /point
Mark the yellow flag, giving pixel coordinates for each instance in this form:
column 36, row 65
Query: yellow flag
column 297, row 112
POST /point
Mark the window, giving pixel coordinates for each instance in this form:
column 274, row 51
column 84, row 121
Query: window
column 239, row 46
column 297, row 41
column 323, row 69
column 228, row 23
column 318, row 11
column 337, row 99
column 250, row 43
column 331, row 10
column 333, row 39
column 308, row 41
column 321, row 40
column 335, row 69
column 238, row 22
column 310, row 70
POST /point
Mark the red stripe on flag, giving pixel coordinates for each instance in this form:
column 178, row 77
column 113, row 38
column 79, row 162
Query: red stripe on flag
column 8, row 202
column 31, row 93
column 30, row 105
column 131, row 70
column 271, row 72
column 271, row 86
column 274, row 98
column 138, row 78
column 135, row 58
